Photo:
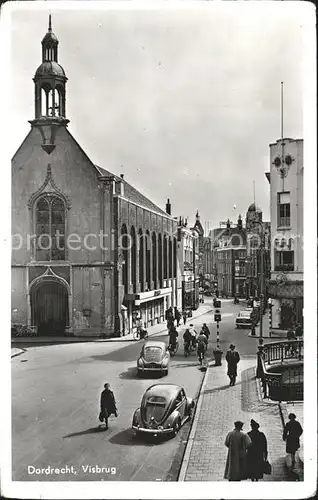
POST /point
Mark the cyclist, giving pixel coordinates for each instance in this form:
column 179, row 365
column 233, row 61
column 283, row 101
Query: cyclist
column 205, row 330
column 173, row 334
column 202, row 345
column 187, row 339
column 193, row 335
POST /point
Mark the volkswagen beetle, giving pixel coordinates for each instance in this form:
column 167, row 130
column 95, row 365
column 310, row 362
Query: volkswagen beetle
column 164, row 409
column 154, row 357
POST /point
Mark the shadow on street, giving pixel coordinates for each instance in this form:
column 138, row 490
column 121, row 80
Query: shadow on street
column 92, row 430
column 132, row 374
column 128, row 438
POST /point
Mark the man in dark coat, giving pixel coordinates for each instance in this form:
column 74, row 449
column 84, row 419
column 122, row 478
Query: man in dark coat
column 232, row 357
column 256, row 453
column 292, row 432
column 107, row 405
column 177, row 316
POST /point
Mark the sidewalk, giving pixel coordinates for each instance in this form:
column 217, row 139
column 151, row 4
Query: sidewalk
column 152, row 330
column 218, row 407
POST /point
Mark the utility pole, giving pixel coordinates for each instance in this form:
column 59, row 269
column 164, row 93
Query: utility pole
column 262, row 292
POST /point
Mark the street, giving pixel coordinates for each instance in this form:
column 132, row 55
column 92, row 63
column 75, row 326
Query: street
column 55, row 407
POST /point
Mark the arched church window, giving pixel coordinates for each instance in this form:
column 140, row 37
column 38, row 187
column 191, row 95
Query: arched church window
column 50, row 228
column 165, row 257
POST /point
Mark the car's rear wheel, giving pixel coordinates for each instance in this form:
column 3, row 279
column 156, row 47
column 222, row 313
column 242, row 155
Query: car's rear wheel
column 176, row 427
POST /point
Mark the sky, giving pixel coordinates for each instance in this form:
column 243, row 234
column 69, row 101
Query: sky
column 183, row 102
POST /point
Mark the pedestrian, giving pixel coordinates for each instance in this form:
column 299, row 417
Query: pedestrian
column 292, row 432
column 232, row 357
column 256, row 453
column 202, row 343
column 299, row 330
column 177, row 315
column 107, row 405
column 184, row 316
column 237, row 443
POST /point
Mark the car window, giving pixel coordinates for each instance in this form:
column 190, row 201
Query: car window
column 155, row 407
column 179, row 398
column 153, row 353
column 245, row 314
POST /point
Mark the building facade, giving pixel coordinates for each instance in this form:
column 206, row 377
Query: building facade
column 231, row 260
column 257, row 253
column 187, row 258
column 286, row 195
column 90, row 253
column 199, row 249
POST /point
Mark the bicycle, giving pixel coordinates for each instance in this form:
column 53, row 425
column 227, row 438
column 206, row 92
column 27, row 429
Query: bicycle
column 173, row 350
column 140, row 334
column 188, row 349
column 21, row 331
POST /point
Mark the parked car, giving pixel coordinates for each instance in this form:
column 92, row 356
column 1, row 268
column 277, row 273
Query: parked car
column 164, row 409
column 154, row 357
column 244, row 318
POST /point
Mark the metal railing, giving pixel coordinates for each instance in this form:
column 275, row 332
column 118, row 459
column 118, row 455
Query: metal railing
column 286, row 384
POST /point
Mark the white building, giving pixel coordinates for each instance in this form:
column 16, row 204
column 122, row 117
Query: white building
column 286, row 200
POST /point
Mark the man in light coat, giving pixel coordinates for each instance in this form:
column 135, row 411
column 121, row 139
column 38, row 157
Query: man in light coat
column 237, row 443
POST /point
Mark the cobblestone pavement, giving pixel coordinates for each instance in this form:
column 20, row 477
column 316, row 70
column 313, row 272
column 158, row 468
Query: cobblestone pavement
column 221, row 406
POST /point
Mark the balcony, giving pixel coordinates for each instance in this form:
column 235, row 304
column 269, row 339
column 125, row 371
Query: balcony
column 283, row 222
column 280, row 368
column 284, row 267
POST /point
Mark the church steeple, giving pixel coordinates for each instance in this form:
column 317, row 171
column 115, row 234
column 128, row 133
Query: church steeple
column 50, row 80
column 49, row 44
column 50, row 89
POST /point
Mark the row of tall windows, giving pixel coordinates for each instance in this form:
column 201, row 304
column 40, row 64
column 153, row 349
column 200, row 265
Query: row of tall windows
column 160, row 251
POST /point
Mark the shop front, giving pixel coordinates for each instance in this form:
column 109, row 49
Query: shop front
column 287, row 303
column 148, row 308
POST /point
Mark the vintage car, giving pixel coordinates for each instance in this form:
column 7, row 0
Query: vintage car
column 164, row 409
column 154, row 357
column 244, row 318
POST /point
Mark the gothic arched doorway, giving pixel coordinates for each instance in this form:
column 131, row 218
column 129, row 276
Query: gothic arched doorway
column 49, row 308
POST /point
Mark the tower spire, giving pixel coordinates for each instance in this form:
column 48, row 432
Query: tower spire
column 50, row 22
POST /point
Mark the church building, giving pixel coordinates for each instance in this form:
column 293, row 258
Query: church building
column 91, row 255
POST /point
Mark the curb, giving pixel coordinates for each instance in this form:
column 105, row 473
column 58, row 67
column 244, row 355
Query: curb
column 21, row 351
column 188, row 448
column 26, row 340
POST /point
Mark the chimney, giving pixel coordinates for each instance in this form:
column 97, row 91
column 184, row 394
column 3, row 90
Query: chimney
column 168, row 207
column 239, row 222
column 119, row 186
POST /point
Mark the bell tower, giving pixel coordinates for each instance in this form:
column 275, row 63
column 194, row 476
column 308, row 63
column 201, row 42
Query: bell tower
column 50, row 89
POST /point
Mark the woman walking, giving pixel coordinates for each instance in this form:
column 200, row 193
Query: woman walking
column 107, row 405
column 256, row 453
column 292, row 432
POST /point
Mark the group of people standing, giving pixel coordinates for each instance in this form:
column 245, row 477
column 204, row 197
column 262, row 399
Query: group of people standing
column 247, row 453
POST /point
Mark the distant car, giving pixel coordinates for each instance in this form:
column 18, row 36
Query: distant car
column 164, row 409
column 244, row 318
column 154, row 357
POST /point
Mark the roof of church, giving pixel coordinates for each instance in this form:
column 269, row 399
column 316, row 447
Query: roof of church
column 132, row 194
